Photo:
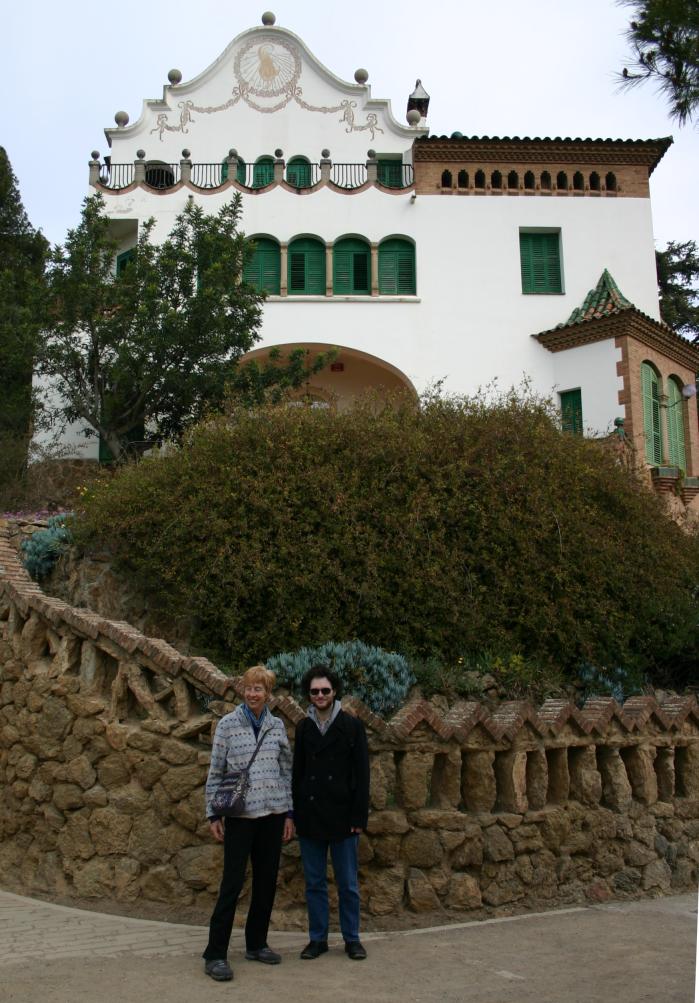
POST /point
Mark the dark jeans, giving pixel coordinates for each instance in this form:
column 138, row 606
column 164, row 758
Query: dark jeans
column 260, row 839
column 343, row 852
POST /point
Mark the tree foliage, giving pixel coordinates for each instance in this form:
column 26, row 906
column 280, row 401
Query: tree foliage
column 451, row 528
column 22, row 255
column 678, row 285
column 138, row 355
column 664, row 37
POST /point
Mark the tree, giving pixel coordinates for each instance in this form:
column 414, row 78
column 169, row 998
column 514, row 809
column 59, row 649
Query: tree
column 22, row 255
column 678, row 278
column 140, row 351
column 664, row 37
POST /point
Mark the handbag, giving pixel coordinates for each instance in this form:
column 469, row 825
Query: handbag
column 229, row 798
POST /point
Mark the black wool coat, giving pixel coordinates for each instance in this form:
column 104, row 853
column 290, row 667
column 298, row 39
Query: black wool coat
column 330, row 778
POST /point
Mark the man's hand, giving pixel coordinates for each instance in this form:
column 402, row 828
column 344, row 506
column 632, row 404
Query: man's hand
column 289, row 830
column 356, row 829
column 216, row 828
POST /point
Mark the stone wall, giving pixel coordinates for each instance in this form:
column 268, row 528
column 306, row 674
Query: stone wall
column 104, row 747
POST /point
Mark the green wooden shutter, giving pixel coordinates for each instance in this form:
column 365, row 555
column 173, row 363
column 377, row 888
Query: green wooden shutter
column 351, row 267
column 263, row 172
column 124, row 260
column 651, row 413
column 571, row 411
column 306, row 269
column 540, row 261
column 390, row 173
column 298, row 173
column 397, row 268
column 263, row 270
column 675, row 426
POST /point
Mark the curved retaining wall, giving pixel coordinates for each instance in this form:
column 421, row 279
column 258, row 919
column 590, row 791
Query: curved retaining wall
column 104, row 747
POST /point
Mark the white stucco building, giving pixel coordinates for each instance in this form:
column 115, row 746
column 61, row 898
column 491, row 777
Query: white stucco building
column 419, row 257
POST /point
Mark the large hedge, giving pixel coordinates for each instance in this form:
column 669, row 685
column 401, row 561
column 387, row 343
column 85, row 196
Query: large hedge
column 461, row 525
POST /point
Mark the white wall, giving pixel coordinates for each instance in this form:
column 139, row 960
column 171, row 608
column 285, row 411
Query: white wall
column 592, row 368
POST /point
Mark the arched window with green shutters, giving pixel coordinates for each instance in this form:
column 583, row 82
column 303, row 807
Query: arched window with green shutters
column 397, row 267
column 239, row 171
column 306, row 267
column 263, row 172
column 675, row 425
column 298, row 172
column 263, row 270
column 351, row 267
column 650, row 391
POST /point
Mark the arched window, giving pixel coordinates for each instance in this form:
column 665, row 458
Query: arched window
column 675, row 424
column 594, row 182
column 546, row 181
column 479, row 180
column 263, row 172
column 513, row 180
column 298, row 172
column 462, row 180
column 610, row 182
column 351, row 267
column 562, row 181
column 397, row 267
column 650, row 391
column 263, row 270
column 306, row 269
column 529, row 181
column 496, row 179
column 578, row 182
column 446, row 179
column 159, row 174
column 240, row 173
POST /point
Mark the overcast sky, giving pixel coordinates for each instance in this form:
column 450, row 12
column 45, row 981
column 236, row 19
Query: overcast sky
column 511, row 68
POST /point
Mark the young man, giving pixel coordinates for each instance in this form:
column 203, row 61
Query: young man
column 330, row 787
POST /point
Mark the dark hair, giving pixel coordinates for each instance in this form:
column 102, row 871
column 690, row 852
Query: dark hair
column 321, row 672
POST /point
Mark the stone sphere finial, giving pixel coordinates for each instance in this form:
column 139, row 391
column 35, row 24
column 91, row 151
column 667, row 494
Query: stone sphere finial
column 141, row 154
column 233, row 152
column 278, row 154
column 121, row 118
column 268, row 19
column 361, row 75
column 371, row 154
column 325, row 154
column 95, row 154
column 174, row 76
column 413, row 117
column 186, row 153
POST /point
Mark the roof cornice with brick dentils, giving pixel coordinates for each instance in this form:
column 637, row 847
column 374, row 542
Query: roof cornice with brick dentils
column 624, row 323
column 620, row 152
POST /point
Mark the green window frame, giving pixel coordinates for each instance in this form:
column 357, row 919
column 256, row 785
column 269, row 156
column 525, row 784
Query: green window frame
column 571, row 411
column 390, row 173
column 675, row 425
column 124, row 259
column 239, row 171
column 263, row 269
column 298, row 172
column 263, row 172
column 650, row 393
column 540, row 262
column 397, row 268
column 306, row 267
column 351, row 267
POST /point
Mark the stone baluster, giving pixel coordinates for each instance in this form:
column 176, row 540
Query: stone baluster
column 139, row 167
column 511, row 779
column 585, row 781
column 279, row 165
column 372, row 167
column 94, row 169
column 325, row 166
column 639, row 762
column 616, row 789
column 186, row 167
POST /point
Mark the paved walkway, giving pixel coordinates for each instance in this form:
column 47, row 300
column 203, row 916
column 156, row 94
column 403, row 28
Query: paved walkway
column 616, row 953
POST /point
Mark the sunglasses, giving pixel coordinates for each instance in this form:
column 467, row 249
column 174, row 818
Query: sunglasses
column 317, row 691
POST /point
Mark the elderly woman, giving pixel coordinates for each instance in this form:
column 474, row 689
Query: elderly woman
column 258, row 833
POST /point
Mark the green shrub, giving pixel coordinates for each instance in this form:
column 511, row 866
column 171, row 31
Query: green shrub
column 380, row 678
column 45, row 546
column 461, row 525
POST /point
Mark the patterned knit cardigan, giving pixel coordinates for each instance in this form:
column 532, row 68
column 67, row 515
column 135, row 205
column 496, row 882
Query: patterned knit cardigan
column 270, row 776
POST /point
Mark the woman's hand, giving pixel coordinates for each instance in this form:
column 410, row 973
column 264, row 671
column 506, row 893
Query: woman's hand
column 289, row 830
column 216, row 828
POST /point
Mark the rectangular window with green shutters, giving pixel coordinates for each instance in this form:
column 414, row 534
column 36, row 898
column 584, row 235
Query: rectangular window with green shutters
column 306, row 276
column 390, row 173
column 124, row 260
column 351, row 267
column 571, row 411
column 540, row 261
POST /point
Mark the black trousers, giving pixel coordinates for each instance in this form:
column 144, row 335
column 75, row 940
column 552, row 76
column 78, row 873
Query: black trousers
column 260, row 840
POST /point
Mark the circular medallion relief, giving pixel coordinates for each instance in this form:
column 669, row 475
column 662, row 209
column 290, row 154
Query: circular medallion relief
column 267, row 67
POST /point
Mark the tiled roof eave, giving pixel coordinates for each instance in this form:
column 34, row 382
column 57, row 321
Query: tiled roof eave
column 631, row 323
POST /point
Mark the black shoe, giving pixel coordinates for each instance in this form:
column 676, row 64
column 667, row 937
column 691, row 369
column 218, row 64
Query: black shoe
column 314, row 949
column 219, row 970
column 266, row 955
column 355, row 950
